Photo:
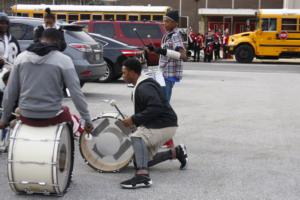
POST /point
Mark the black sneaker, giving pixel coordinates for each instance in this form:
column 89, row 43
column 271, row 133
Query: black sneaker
column 181, row 155
column 138, row 181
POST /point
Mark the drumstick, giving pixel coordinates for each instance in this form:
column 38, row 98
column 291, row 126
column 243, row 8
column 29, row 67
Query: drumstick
column 149, row 38
column 139, row 36
column 113, row 103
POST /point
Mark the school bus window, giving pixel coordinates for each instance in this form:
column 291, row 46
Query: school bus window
column 38, row 15
column 73, row 18
column 268, row 25
column 133, row 18
column 157, row 17
column 24, row 14
column 109, row 17
column 145, row 17
column 289, row 24
column 61, row 17
column 19, row 14
column 97, row 17
column 85, row 17
column 121, row 17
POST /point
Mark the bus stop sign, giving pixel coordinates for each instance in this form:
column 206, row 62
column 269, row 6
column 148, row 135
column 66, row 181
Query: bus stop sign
column 283, row 35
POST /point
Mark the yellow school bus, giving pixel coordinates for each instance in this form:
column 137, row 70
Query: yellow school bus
column 71, row 13
column 277, row 36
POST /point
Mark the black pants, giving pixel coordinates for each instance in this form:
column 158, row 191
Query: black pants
column 197, row 54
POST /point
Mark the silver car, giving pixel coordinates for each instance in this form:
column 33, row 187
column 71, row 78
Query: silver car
column 86, row 53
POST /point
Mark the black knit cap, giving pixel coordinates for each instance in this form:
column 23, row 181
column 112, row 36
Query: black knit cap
column 173, row 14
column 4, row 17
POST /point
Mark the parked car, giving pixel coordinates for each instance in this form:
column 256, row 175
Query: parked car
column 115, row 53
column 137, row 33
column 86, row 53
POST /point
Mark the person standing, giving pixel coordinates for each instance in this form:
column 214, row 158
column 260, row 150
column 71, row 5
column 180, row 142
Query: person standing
column 9, row 46
column 198, row 47
column 225, row 44
column 9, row 49
column 50, row 22
column 156, row 123
column 172, row 53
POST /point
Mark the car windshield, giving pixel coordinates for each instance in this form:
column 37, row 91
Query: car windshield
column 153, row 30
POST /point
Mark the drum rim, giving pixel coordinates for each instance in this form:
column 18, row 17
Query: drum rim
column 82, row 154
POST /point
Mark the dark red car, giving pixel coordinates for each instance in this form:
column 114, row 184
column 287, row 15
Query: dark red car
column 136, row 33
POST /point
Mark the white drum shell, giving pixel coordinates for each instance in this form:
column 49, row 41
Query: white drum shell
column 32, row 158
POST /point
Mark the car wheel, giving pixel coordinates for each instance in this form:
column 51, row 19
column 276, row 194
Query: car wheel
column 109, row 74
column 244, row 54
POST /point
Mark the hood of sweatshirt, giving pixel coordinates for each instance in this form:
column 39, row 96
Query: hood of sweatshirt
column 40, row 52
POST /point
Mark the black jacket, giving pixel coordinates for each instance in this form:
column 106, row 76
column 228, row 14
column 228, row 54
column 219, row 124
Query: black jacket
column 152, row 110
column 38, row 31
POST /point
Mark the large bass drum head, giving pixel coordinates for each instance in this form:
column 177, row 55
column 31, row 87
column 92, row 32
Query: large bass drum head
column 65, row 159
column 109, row 149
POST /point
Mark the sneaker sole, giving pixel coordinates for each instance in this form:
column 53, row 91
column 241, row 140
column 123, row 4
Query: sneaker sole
column 142, row 185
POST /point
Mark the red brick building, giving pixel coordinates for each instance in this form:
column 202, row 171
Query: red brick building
column 236, row 15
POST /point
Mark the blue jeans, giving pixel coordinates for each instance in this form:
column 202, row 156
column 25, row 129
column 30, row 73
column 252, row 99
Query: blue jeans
column 168, row 89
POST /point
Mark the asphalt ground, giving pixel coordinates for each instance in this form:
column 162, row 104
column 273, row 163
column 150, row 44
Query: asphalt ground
column 240, row 123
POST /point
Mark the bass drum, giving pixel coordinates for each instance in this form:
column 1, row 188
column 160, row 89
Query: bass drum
column 40, row 159
column 109, row 149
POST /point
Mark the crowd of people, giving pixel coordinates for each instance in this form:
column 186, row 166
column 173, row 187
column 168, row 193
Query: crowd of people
column 211, row 43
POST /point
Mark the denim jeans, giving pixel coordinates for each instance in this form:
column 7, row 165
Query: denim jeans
column 168, row 89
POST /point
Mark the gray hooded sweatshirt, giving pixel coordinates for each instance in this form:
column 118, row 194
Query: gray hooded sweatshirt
column 36, row 83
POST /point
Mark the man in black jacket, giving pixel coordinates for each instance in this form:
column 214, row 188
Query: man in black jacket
column 156, row 123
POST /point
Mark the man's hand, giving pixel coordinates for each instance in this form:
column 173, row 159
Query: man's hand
column 88, row 127
column 2, row 124
column 127, row 122
column 157, row 50
column 150, row 47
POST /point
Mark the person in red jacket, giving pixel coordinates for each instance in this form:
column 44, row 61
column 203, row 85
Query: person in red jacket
column 198, row 46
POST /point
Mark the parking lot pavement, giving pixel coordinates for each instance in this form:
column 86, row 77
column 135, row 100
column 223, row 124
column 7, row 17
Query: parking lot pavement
column 242, row 133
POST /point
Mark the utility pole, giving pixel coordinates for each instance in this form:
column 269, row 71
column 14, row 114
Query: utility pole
column 180, row 8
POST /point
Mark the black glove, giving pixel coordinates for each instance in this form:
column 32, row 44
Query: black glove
column 157, row 50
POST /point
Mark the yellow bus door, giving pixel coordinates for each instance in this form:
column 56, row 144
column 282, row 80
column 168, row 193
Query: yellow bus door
column 266, row 38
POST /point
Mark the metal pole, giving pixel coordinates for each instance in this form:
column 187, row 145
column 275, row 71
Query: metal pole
column 180, row 7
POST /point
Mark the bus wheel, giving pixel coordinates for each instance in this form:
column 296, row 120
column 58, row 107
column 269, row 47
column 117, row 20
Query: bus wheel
column 244, row 54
